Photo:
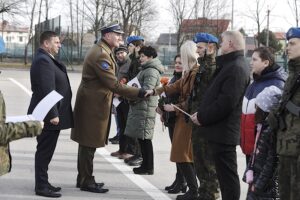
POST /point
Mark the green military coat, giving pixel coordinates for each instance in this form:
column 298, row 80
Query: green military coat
column 92, row 111
column 10, row 132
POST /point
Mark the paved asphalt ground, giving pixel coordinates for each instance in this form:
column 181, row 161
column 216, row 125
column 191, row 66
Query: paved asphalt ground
column 118, row 177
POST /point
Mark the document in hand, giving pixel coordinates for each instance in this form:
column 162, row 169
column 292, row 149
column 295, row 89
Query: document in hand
column 134, row 83
column 41, row 110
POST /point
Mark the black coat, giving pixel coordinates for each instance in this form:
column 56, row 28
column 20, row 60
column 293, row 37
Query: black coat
column 47, row 74
column 220, row 110
column 264, row 165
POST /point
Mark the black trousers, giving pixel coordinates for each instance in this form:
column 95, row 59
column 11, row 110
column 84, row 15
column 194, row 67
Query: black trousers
column 188, row 171
column 147, row 154
column 226, row 167
column 46, row 144
column 126, row 144
column 85, row 165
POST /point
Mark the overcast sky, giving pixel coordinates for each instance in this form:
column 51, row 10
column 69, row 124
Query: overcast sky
column 281, row 17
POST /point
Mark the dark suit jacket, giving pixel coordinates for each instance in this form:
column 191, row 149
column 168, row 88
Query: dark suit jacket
column 47, row 74
column 220, row 110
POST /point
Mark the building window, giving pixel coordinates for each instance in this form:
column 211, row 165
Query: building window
column 21, row 39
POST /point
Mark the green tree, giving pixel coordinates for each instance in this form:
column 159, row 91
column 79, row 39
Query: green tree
column 273, row 42
column 243, row 32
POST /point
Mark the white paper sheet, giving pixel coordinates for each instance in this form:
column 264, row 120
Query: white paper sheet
column 116, row 101
column 40, row 111
column 134, row 83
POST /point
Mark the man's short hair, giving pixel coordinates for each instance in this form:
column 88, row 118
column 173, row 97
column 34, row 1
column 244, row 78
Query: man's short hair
column 47, row 35
column 236, row 38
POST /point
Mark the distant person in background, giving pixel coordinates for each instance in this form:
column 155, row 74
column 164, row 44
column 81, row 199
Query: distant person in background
column 126, row 144
column 13, row 131
column 47, row 74
column 134, row 44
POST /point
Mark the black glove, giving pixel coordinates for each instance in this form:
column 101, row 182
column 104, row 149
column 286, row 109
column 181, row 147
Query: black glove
column 142, row 93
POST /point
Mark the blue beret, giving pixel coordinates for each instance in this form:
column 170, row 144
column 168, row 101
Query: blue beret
column 205, row 37
column 133, row 38
column 112, row 27
column 293, row 33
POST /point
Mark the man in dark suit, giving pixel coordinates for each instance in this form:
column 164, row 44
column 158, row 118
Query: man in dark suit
column 47, row 74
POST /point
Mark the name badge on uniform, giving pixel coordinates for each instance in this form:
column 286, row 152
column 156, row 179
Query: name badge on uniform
column 104, row 65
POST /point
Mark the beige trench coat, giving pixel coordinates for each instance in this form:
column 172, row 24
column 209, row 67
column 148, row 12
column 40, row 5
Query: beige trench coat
column 92, row 111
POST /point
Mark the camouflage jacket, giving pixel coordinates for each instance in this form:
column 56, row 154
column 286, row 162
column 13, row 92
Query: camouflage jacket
column 206, row 76
column 10, row 132
column 288, row 139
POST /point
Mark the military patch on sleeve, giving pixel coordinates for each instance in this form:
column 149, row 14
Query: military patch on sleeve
column 104, row 65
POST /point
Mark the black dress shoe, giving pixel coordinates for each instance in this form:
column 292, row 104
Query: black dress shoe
column 46, row 192
column 99, row 185
column 136, row 162
column 134, row 157
column 179, row 187
column 142, row 171
column 93, row 188
column 53, row 188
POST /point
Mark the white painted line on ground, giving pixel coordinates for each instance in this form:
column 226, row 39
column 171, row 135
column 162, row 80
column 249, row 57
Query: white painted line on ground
column 21, row 86
column 141, row 182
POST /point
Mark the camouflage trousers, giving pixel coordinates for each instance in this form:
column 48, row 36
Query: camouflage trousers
column 289, row 177
column 205, row 168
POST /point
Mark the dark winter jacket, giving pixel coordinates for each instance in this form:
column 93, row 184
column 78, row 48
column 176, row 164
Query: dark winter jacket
column 271, row 76
column 264, row 162
column 169, row 117
column 220, row 110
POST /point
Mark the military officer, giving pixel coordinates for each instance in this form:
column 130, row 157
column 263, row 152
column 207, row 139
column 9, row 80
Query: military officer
column 288, row 134
column 92, row 111
column 205, row 169
column 13, row 131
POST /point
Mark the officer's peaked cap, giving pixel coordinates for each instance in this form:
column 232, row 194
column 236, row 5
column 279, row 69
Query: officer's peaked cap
column 133, row 38
column 111, row 27
column 205, row 37
column 293, row 33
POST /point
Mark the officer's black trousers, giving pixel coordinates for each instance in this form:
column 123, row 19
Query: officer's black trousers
column 226, row 167
column 147, row 154
column 46, row 144
column 85, row 165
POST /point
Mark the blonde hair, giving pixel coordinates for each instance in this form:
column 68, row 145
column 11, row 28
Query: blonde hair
column 188, row 55
column 236, row 38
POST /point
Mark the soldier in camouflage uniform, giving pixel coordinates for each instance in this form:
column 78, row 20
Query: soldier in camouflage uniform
column 288, row 123
column 205, row 170
column 13, row 131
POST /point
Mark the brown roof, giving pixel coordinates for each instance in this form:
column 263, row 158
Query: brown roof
column 279, row 35
column 11, row 28
column 214, row 26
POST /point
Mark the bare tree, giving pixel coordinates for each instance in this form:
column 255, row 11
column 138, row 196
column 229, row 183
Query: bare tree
column 30, row 34
column 180, row 11
column 294, row 7
column 135, row 15
column 10, row 7
column 258, row 15
column 96, row 14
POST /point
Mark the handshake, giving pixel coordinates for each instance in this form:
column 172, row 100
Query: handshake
column 146, row 93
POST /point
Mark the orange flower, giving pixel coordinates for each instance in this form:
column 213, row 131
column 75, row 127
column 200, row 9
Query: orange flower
column 164, row 80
